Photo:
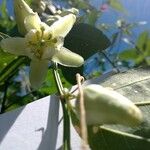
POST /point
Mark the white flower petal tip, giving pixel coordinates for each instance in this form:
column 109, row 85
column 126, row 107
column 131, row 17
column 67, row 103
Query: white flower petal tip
column 22, row 10
column 67, row 58
column 38, row 72
column 63, row 25
column 104, row 106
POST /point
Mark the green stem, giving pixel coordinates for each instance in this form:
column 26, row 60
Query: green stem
column 66, row 116
column 66, row 126
column 4, row 98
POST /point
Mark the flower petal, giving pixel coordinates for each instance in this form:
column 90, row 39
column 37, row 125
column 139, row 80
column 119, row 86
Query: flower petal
column 38, row 71
column 22, row 10
column 50, row 51
column 32, row 21
column 63, row 25
column 67, row 58
column 15, row 46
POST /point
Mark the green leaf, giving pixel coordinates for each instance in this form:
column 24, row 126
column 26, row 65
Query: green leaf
column 86, row 40
column 11, row 68
column 130, row 54
column 93, row 16
column 3, row 10
column 49, row 86
column 142, row 41
column 116, row 4
column 5, row 59
column 6, row 23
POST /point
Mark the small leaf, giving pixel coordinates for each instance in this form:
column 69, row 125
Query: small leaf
column 116, row 4
column 11, row 68
column 143, row 41
column 130, row 54
column 5, row 59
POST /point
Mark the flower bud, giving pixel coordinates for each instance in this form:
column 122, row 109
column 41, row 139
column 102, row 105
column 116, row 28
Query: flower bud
column 22, row 10
column 105, row 106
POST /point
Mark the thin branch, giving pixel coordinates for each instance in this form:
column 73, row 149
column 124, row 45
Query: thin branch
column 83, row 125
column 66, row 116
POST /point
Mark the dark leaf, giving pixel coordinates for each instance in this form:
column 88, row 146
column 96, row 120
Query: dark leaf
column 86, row 40
column 70, row 73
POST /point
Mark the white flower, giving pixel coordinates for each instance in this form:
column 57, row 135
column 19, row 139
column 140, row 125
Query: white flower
column 105, row 106
column 42, row 44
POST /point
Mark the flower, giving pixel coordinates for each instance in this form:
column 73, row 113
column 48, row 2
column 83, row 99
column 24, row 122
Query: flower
column 105, row 106
column 21, row 10
column 42, row 44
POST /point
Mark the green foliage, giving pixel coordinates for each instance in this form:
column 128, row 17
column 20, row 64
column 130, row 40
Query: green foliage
column 141, row 51
column 117, row 5
column 6, row 22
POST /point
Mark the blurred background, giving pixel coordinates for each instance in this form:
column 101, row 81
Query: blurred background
column 117, row 34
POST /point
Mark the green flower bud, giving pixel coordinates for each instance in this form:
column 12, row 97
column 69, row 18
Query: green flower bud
column 105, row 106
column 22, row 10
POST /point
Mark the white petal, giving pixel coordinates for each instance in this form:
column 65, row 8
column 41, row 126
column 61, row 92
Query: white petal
column 48, row 53
column 38, row 72
column 33, row 36
column 67, row 58
column 15, row 46
column 63, row 25
column 32, row 21
column 22, row 10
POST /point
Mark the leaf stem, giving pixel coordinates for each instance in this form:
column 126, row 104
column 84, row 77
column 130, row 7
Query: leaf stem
column 66, row 115
column 121, row 133
column 142, row 103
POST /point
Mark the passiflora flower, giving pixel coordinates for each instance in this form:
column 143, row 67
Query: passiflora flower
column 42, row 43
column 105, row 106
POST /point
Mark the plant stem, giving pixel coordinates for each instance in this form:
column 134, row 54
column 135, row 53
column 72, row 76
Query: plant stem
column 83, row 125
column 66, row 125
column 4, row 98
column 66, row 115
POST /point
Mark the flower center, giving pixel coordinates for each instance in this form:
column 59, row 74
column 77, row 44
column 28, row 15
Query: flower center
column 38, row 42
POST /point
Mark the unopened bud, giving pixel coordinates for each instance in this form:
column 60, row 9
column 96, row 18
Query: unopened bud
column 105, row 106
